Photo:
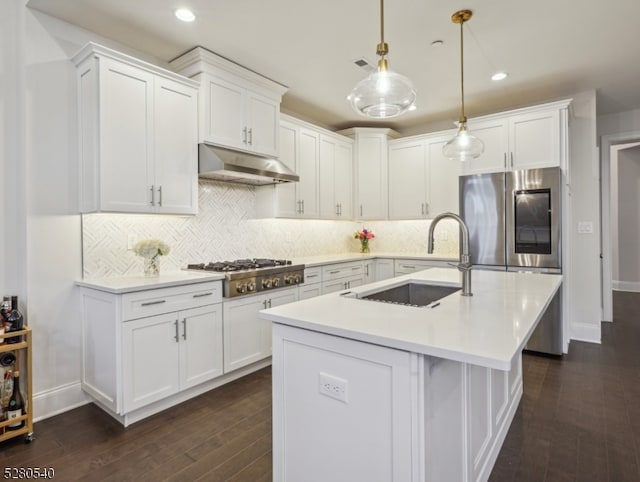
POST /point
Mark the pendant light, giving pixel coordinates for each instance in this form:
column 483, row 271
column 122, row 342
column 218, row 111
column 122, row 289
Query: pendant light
column 384, row 93
column 463, row 146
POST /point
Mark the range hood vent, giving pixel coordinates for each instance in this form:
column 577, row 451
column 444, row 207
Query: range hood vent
column 222, row 164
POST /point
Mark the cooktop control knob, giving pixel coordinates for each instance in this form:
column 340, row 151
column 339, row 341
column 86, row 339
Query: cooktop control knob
column 266, row 283
column 275, row 282
column 297, row 279
column 251, row 286
column 241, row 287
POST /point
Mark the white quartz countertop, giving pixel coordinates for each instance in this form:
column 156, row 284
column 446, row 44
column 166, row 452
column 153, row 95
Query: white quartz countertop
column 488, row 329
column 127, row 284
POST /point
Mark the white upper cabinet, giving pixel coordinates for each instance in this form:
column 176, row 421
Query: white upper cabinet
column 138, row 135
column 526, row 138
column 323, row 160
column 370, row 164
column 238, row 108
column 335, row 167
column 422, row 182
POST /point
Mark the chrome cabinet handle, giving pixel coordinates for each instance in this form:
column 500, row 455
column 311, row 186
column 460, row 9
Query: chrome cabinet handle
column 422, row 205
column 200, row 295
column 269, row 302
column 149, row 303
column 511, row 155
column 264, row 303
column 153, row 195
column 177, row 336
column 244, row 135
column 337, row 209
column 366, row 270
column 160, row 196
column 505, row 160
column 360, row 209
column 251, row 136
column 408, row 266
column 426, row 208
column 312, row 276
column 334, row 272
column 356, row 268
column 184, row 329
column 302, row 206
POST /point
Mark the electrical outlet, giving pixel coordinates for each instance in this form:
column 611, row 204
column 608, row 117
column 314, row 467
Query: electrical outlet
column 585, row 227
column 333, row 387
column 131, row 240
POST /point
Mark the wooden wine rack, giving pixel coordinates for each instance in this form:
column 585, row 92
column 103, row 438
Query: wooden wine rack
column 23, row 354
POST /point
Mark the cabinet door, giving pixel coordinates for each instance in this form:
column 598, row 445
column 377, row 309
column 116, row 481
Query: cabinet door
column 307, row 188
column 369, row 272
column 263, row 115
column 384, row 269
column 326, row 169
column 243, row 332
column 176, row 144
column 495, row 135
column 443, row 173
column 126, row 137
column 150, row 352
column 343, row 171
column 285, row 193
column 371, row 182
column 200, row 345
column 333, row 286
column 535, row 140
column 310, row 291
column 226, row 123
column 275, row 298
column 407, row 178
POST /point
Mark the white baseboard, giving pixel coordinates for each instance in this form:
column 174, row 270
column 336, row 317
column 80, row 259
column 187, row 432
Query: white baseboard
column 58, row 400
column 585, row 332
column 633, row 286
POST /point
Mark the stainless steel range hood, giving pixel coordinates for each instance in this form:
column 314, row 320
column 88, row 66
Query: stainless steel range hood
column 222, row 164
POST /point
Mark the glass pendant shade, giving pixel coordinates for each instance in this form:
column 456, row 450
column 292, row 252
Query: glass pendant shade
column 383, row 94
column 463, row 146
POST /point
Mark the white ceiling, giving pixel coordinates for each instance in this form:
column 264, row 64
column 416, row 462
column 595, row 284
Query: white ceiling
column 551, row 48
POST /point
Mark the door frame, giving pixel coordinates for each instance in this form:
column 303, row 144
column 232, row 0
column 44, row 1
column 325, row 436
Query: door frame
column 606, row 144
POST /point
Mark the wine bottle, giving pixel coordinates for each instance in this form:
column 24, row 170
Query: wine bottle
column 15, row 321
column 5, row 309
column 16, row 407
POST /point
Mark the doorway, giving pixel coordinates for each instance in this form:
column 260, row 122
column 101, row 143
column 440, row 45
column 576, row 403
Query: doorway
column 620, row 172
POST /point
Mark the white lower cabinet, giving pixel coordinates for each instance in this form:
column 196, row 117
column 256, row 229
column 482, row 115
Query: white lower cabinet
column 170, row 352
column 144, row 346
column 381, row 414
column 336, row 277
column 247, row 338
column 384, row 269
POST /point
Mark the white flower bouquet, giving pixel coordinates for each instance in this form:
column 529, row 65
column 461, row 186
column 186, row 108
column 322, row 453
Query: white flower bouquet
column 151, row 250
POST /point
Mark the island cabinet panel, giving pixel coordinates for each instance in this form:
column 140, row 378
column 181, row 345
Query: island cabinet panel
column 479, row 416
column 324, row 384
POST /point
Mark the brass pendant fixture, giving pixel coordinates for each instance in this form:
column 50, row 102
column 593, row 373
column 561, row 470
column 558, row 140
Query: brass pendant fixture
column 384, row 93
column 463, row 146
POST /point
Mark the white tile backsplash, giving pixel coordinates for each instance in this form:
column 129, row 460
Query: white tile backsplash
column 225, row 228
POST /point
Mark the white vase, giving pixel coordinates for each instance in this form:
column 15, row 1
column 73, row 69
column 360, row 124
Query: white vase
column 152, row 265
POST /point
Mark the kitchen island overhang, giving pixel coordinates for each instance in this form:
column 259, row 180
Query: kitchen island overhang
column 487, row 329
column 372, row 391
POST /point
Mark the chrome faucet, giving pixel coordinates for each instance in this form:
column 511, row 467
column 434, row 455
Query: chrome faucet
column 465, row 262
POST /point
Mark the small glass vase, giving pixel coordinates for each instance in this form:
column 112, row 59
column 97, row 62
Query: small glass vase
column 152, row 266
column 364, row 245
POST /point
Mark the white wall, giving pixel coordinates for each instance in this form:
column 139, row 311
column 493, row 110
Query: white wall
column 583, row 288
column 628, row 121
column 626, row 275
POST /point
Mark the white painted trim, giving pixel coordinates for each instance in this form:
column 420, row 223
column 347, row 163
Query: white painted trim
column 58, row 400
column 632, row 286
column 606, row 144
column 585, row 332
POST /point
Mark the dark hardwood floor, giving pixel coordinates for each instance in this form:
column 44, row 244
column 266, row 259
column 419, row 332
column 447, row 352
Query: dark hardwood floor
column 579, row 420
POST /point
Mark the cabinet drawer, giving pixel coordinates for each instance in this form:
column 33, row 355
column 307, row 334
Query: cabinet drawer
column 313, row 275
column 337, row 271
column 153, row 302
column 406, row 266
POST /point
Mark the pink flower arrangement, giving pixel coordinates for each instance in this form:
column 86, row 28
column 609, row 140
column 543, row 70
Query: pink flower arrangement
column 364, row 236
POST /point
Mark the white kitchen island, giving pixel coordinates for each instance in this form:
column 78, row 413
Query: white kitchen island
column 370, row 391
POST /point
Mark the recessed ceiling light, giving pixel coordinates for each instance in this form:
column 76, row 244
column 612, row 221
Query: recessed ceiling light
column 437, row 43
column 413, row 107
column 185, row 15
column 499, row 76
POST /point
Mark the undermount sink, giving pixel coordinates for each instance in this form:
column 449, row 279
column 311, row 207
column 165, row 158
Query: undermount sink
column 411, row 294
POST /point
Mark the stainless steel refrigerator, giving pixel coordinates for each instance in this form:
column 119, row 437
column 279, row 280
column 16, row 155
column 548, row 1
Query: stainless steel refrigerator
column 514, row 221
